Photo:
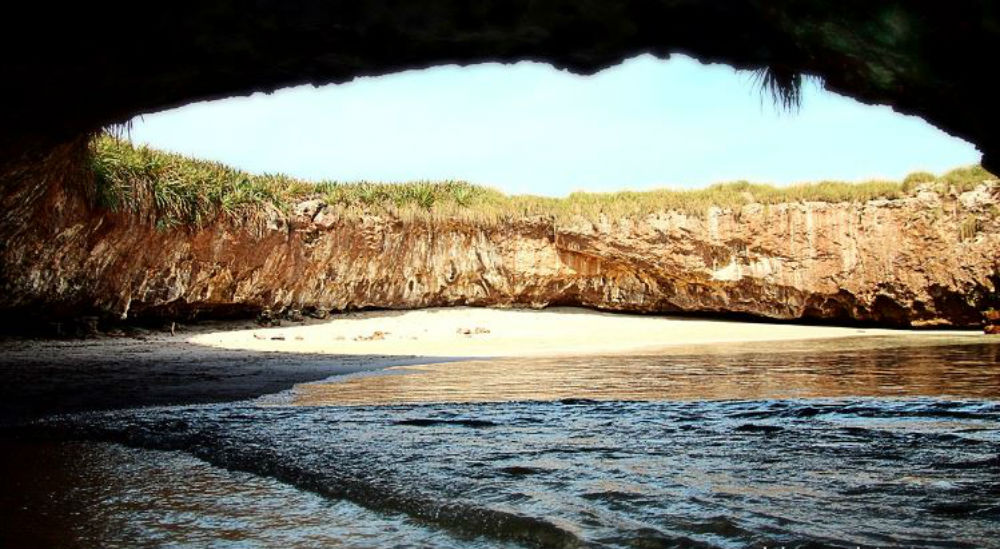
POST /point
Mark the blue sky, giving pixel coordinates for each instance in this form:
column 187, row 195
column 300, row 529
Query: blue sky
column 529, row 128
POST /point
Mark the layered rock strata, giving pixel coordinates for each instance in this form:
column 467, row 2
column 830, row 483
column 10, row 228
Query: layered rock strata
column 929, row 259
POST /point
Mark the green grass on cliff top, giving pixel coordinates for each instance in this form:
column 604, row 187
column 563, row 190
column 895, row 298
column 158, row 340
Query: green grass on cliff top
column 174, row 190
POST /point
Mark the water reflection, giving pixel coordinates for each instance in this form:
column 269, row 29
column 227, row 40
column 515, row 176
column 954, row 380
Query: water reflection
column 865, row 367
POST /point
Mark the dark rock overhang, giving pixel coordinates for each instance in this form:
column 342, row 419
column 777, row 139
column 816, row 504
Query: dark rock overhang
column 71, row 68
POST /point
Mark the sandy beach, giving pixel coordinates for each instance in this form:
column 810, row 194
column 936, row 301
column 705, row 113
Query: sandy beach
column 477, row 332
column 226, row 361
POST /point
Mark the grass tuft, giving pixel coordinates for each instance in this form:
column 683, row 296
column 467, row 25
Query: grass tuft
column 916, row 179
column 964, row 179
column 174, row 190
column 969, row 227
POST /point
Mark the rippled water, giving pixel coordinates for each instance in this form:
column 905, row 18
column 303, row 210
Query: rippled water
column 71, row 494
column 839, row 446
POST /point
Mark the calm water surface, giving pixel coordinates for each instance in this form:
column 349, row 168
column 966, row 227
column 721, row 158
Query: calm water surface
column 890, row 443
column 870, row 367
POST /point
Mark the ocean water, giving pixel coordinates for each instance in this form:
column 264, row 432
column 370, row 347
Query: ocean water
column 840, row 444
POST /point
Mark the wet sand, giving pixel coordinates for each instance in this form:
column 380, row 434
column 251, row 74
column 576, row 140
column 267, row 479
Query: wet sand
column 226, row 361
column 43, row 377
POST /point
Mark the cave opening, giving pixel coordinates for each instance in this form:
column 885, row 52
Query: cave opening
column 510, row 277
column 241, row 199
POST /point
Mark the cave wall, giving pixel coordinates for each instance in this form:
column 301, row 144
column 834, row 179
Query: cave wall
column 71, row 68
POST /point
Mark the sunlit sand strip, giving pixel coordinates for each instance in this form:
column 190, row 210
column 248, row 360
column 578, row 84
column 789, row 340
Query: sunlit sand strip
column 478, row 332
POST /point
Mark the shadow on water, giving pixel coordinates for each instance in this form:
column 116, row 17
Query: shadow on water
column 71, row 377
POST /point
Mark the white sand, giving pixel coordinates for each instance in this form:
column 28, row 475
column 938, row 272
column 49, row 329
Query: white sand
column 505, row 332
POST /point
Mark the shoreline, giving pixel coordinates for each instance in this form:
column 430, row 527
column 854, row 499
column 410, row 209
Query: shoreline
column 229, row 361
column 478, row 332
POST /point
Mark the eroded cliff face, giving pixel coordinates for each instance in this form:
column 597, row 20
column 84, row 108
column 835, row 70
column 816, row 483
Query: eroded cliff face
column 930, row 259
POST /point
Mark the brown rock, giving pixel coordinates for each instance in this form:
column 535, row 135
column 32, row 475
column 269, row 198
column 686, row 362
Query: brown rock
column 319, row 313
column 309, row 208
column 88, row 326
column 892, row 262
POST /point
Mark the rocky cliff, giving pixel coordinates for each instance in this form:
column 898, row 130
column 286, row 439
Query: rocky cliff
column 927, row 259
